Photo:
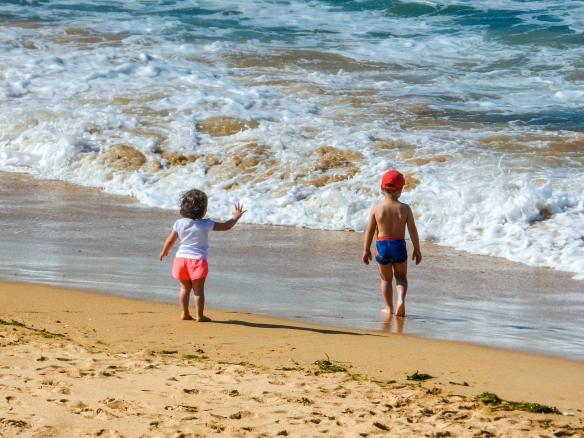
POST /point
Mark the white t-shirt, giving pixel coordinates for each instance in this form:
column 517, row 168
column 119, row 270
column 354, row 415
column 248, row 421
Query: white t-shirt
column 193, row 237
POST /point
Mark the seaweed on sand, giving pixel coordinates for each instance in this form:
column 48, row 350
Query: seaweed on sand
column 535, row 408
column 329, row 367
column 194, row 357
column 496, row 403
column 364, row 378
column 489, row 398
column 13, row 323
column 241, row 364
column 459, row 384
column 41, row 332
column 420, row 377
column 46, row 334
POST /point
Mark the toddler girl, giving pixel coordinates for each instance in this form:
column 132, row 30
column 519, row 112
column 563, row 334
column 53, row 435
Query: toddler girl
column 190, row 265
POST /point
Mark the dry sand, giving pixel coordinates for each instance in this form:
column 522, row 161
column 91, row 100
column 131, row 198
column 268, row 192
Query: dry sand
column 131, row 368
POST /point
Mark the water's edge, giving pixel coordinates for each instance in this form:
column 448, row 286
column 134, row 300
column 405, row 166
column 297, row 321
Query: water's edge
column 69, row 236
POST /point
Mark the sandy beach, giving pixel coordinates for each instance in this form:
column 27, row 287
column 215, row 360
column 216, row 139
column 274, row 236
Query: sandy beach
column 82, row 364
column 110, row 110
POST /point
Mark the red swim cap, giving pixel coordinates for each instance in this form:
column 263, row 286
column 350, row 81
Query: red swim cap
column 392, row 180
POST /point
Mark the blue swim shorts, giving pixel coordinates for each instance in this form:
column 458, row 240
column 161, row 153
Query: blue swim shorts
column 390, row 251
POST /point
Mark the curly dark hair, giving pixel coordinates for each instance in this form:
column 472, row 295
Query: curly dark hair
column 193, row 204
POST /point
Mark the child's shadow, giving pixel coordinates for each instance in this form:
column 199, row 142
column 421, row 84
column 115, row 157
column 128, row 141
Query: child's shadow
column 292, row 327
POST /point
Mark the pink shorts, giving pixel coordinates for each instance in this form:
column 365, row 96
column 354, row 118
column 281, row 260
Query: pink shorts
column 189, row 269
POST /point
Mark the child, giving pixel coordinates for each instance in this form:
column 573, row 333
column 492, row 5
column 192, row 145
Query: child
column 389, row 219
column 190, row 265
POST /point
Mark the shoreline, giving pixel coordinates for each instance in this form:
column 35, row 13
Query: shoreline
column 146, row 342
column 106, row 243
column 390, row 327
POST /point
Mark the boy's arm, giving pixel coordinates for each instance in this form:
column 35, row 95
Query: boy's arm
column 417, row 254
column 369, row 234
column 170, row 240
column 224, row 226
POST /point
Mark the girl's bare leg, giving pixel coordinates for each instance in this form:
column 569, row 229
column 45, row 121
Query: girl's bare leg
column 199, row 290
column 184, row 297
column 386, row 275
column 401, row 287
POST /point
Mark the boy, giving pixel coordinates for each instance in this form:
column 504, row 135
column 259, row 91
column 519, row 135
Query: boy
column 389, row 219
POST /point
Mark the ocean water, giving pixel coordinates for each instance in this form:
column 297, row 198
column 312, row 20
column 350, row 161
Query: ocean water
column 296, row 108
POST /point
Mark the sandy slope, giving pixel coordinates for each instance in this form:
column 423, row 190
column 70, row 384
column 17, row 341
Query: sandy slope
column 121, row 368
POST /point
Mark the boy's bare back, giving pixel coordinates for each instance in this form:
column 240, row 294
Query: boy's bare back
column 390, row 218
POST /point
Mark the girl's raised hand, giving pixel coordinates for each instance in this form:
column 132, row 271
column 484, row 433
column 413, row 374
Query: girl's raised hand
column 238, row 211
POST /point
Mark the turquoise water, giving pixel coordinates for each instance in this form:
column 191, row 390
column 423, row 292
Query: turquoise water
column 499, row 44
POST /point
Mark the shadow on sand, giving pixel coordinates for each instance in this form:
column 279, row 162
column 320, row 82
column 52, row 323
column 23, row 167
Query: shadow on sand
column 292, row 327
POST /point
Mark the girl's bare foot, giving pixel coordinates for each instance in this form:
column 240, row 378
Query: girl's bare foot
column 386, row 311
column 186, row 318
column 203, row 319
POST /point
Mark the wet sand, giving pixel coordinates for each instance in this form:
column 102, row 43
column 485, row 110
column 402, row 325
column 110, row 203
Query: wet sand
column 85, row 365
column 66, row 235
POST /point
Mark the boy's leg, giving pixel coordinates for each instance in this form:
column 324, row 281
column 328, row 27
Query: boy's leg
column 386, row 275
column 199, row 290
column 184, row 297
column 401, row 286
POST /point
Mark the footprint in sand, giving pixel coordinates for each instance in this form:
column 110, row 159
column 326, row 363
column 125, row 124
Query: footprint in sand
column 13, row 400
column 191, row 391
column 62, row 401
column 224, row 378
column 108, row 372
column 216, row 427
column 121, row 405
column 102, row 414
column 80, row 408
column 12, row 424
column 239, row 415
column 85, row 412
column 62, row 390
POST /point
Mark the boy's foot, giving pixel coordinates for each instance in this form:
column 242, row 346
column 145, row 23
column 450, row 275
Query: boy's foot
column 386, row 311
column 203, row 319
column 187, row 318
column 400, row 310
